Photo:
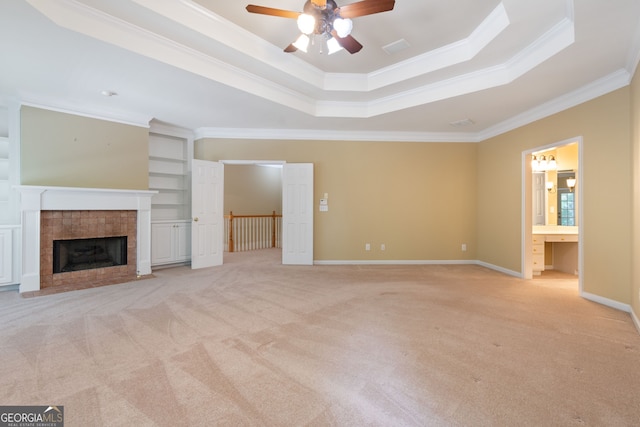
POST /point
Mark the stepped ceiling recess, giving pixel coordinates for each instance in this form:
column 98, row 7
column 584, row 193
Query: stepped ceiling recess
column 430, row 70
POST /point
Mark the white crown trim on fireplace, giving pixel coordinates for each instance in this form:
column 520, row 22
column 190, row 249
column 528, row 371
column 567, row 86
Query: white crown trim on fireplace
column 37, row 198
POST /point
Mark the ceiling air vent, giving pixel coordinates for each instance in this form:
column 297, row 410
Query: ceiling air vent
column 461, row 123
column 396, row 46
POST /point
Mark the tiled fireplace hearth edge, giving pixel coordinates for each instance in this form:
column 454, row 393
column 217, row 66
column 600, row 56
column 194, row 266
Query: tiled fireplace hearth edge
column 35, row 199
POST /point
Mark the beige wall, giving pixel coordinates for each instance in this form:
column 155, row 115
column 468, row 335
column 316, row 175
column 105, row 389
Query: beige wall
column 66, row 150
column 252, row 189
column 422, row 200
column 419, row 199
column 604, row 124
column 635, row 252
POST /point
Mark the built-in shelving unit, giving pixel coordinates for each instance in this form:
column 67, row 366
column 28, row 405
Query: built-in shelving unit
column 4, row 173
column 10, row 260
column 169, row 175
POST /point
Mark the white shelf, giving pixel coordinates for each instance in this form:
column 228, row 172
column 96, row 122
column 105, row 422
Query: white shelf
column 167, row 167
column 4, row 169
column 168, row 174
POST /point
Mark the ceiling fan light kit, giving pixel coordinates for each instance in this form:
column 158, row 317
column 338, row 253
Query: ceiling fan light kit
column 324, row 18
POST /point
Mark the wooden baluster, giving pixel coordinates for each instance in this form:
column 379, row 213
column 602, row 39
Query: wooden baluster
column 230, row 231
column 273, row 229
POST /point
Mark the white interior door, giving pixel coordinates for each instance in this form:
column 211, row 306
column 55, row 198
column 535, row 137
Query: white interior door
column 297, row 213
column 539, row 197
column 207, row 228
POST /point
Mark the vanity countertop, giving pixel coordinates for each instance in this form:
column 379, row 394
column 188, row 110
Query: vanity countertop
column 554, row 229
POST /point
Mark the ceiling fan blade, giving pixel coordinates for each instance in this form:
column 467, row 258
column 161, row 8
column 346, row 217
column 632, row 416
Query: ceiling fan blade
column 366, row 7
column 273, row 12
column 320, row 3
column 291, row 48
column 350, row 44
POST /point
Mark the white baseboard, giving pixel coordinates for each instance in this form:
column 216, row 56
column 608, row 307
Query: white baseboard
column 419, row 262
column 586, row 295
column 636, row 321
column 606, row 301
column 498, row 268
column 391, row 262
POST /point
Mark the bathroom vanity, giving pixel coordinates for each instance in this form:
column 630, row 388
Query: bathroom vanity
column 555, row 247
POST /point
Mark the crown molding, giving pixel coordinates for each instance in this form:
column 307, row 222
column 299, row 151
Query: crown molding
column 202, row 20
column 607, row 84
column 81, row 18
column 332, row 135
column 138, row 120
column 455, row 53
column 169, row 130
column 546, row 46
column 78, row 17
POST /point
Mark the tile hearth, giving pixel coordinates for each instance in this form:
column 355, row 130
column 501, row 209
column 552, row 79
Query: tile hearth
column 59, row 225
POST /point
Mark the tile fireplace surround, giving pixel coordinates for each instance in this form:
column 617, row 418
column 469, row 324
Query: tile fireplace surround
column 128, row 210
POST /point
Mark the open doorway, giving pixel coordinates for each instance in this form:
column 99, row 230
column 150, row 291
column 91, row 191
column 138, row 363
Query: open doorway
column 552, row 212
column 207, row 210
column 252, row 206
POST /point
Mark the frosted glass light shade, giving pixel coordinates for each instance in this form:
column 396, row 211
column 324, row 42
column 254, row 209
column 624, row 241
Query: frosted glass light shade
column 343, row 27
column 302, row 43
column 333, row 46
column 306, row 23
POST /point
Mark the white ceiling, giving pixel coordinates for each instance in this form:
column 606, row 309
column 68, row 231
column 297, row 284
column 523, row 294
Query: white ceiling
column 212, row 67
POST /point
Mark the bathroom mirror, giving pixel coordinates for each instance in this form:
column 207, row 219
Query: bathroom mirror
column 555, row 173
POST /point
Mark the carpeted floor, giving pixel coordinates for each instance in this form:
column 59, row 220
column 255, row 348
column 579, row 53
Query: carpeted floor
column 256, row 343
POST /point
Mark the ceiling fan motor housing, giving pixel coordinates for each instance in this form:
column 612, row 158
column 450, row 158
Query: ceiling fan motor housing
column 324, row 16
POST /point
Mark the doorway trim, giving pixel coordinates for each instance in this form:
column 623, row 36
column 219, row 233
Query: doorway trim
column 527, row 206
column 308, row 204
column 279, row 163
column 253, row 162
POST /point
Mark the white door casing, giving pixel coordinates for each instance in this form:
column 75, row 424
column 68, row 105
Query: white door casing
column 207, row 229
column 297, row 213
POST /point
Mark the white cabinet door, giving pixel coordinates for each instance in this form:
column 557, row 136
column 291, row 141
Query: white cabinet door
column 161, row 243
column 182, row 239
column 6, row 258
column 170, row 242
column 297, row 213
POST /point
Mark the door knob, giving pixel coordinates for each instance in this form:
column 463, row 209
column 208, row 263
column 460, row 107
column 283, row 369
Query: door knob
column 195, row 219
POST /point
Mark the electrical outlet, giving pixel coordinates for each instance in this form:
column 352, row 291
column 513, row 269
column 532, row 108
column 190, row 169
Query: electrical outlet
column 367, row 247
column 464, row 247
column 382, row 247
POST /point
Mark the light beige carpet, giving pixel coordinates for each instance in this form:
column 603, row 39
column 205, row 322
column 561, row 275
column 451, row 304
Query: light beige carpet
column 257, row 343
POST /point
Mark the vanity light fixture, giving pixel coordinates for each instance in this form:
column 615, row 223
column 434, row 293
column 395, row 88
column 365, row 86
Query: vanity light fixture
column 541, row 163
column 551, row 164
column 535, row 163
column 550, row 187
column 571, row 183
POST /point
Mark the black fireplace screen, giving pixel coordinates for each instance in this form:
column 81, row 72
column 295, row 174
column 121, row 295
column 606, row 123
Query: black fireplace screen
column 85, row 254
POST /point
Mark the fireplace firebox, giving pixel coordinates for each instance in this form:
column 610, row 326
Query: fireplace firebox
column 86, row 254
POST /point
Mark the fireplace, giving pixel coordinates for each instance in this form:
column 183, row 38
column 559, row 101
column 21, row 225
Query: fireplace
column 87, row 248
column 87, row 254
column 52, row 214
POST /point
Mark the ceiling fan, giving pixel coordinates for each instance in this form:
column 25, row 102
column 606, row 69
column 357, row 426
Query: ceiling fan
column 325, row 18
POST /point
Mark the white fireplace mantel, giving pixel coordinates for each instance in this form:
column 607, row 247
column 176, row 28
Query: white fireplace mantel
column 38, row 198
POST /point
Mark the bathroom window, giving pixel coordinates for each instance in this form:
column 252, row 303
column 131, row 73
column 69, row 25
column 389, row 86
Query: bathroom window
column 567, row 209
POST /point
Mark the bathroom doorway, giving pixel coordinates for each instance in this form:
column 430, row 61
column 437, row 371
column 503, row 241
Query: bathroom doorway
column 552, row 207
